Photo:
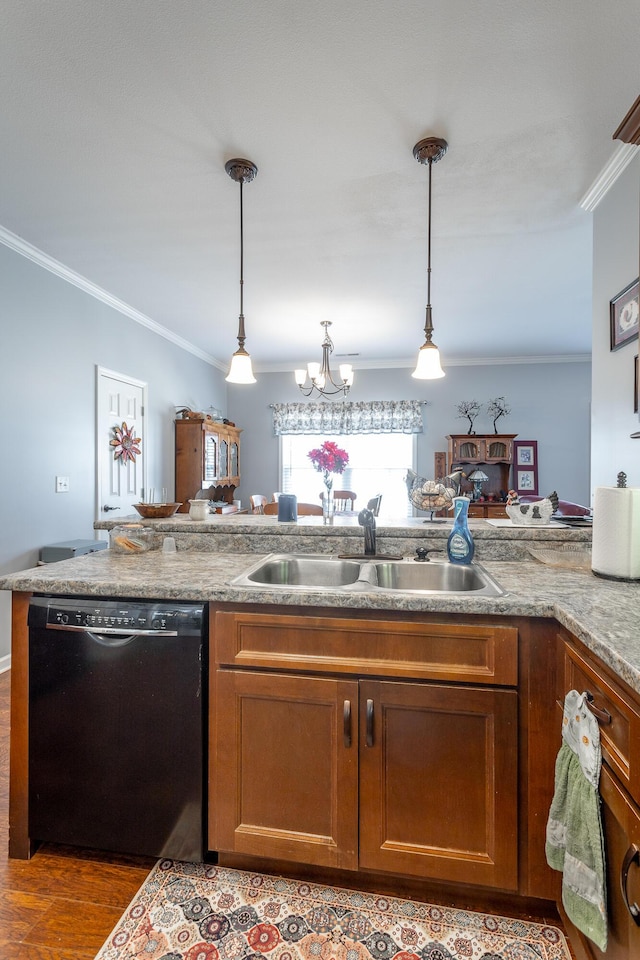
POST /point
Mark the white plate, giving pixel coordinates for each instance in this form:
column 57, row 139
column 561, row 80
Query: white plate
column 532, row 525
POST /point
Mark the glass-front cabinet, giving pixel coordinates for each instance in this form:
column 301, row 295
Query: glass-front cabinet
column 234, row 458
column 223, row 460
column 210, row 459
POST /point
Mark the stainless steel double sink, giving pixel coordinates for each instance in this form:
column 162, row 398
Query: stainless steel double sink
column 329, row 573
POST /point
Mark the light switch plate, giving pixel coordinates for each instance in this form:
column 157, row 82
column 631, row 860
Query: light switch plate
column 62, row 484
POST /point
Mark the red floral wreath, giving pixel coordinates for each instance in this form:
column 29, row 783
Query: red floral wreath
column 126, row 445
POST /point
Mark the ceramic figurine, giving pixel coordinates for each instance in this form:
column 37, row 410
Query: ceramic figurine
column 530, row 514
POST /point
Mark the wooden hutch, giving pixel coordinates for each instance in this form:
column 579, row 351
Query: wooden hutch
column 493, row 454
column 207, row 456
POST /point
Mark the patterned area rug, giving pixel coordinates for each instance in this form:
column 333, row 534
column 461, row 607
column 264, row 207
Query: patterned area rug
column 189, row 911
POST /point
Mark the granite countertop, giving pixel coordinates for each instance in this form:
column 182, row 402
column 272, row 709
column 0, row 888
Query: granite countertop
column 601, row 613
column 249, row 533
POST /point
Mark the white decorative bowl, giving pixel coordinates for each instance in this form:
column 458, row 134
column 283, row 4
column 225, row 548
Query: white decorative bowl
column 530, row 514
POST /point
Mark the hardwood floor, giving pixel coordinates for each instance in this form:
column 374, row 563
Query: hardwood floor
column 63, row 903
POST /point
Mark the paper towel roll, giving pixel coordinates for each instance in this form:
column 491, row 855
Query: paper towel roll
column 616, row 533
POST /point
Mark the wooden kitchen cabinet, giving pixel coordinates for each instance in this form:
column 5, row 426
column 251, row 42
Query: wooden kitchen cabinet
column 207, row 455
column 350, row 757
column 617, row 708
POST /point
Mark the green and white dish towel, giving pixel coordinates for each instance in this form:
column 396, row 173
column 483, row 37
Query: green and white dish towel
column 575, row 843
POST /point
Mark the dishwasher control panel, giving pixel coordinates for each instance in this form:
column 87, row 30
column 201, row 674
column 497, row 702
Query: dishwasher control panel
column 184, row 619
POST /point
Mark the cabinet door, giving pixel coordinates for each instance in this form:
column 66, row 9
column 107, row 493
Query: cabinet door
column 466, row 448
column 284, row 757
column 621, row 825
column 209, row 458
column 499, row 448
column 234, row 460
column 223, row 460
column 438, row 782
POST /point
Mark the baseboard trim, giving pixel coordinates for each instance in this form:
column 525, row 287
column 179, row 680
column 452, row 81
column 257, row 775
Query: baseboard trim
column 5, row 663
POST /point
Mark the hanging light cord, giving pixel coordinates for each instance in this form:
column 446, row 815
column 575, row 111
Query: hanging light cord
column 241, row 333
column 428, row 327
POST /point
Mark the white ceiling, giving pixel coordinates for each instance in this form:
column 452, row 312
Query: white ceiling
column 117, row 119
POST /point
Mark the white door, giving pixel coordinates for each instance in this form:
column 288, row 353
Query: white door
column 120, row 400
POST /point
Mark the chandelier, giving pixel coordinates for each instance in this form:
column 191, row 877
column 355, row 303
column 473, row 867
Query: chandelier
column 428, row 367
column 240, row 371
column 320, row 378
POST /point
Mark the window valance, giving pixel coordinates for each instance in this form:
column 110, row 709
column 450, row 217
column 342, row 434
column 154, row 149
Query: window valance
column 372, row 416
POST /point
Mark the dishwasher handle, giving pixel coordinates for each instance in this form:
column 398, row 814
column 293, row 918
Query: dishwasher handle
column 113, row 640
column 128, row 634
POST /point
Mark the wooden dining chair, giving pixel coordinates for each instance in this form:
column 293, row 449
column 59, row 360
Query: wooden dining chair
column 309, row 510
column 257, row 501
column 304, row 509
column 344, row 500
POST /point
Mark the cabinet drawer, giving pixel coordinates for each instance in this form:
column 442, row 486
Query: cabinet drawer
column 618, row 716
column 464, row 652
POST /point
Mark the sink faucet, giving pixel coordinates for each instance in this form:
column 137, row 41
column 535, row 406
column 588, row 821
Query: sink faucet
column 367, row 520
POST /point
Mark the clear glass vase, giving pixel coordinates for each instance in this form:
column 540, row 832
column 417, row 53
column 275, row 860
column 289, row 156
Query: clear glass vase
column 328, row 506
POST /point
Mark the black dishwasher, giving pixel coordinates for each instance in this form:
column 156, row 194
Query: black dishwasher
column 117, row 707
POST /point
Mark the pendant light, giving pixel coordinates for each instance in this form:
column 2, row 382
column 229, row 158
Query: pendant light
column 320, row 376
column 241, row 171
column 428, row 367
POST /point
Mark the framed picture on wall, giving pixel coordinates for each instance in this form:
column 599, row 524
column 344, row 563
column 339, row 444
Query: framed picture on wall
column 525, row 467
column 623, row 316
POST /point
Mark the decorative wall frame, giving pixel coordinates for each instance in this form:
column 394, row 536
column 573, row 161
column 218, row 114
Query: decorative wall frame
column 624, row 313
column 525, row 467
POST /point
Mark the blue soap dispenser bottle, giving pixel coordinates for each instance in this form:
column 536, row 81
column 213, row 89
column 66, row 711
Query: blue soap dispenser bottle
column 460, row 546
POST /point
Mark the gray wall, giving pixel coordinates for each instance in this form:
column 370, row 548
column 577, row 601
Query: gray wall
column 549, row 403
column 52, row 336
column 615, row 265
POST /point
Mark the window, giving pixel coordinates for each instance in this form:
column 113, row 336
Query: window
column 378, row 463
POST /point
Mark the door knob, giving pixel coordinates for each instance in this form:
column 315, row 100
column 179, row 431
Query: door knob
column 106, row 508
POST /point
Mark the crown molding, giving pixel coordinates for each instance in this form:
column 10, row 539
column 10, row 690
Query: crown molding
column 18, row 245
column 629, row 129
column 619, row 161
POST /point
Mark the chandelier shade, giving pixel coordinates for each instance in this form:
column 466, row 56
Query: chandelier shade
column 317, row 380
column 240, row 371
column 428, row 367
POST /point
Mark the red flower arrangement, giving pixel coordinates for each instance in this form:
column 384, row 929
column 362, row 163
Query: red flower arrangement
column 327, row 459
